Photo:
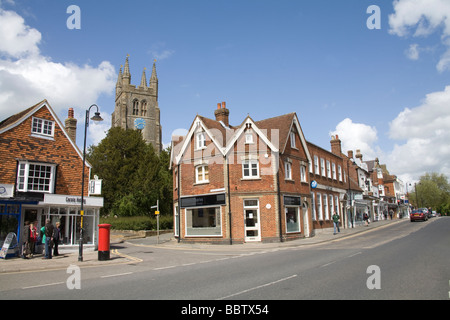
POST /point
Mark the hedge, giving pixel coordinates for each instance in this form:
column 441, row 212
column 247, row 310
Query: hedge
column 138, row 223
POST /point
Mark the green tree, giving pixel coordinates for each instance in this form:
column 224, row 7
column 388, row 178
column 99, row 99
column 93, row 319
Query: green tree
column 433, row 190
column 134, row 176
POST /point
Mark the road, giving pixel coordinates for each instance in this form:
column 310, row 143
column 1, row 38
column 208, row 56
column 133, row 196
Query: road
column 400, row 261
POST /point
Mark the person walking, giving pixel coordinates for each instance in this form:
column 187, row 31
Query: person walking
column 48, row 239
column 26, row 238
column 336, row 222
column 366, row 219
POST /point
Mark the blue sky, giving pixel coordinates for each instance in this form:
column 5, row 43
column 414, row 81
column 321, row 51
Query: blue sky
column 265, row 58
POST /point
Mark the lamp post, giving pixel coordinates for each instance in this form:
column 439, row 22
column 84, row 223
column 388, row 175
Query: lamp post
column 96, row 117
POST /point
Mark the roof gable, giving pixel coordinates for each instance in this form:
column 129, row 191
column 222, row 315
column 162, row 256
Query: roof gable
column 19, row 118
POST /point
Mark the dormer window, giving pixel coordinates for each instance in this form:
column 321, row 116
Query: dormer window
column 43, row 127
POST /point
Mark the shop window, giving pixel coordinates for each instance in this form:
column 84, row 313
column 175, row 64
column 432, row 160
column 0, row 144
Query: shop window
column 203, row 222
column 292, row 219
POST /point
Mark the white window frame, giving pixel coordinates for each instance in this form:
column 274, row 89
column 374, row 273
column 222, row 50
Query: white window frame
column 319, row 206
column 316, row 165
column 287, row 170
column 313, row 206
column 328, row 169
column 201, row 171
column 303, row 173
column 340, row 173
column 200, row 140
column 23, row 178
column 248, row 138
column 39, row 125
column 292, row 138
column 333, row 170
column 322, row 167
column 248, row 165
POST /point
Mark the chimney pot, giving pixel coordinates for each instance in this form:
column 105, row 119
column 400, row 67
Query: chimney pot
column 218, row 106
column 223, row 105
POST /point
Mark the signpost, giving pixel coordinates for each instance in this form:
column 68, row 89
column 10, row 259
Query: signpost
column 157, row 220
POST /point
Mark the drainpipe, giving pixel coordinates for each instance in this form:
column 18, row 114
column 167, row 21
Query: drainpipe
column 279, row 201
column 229, row 199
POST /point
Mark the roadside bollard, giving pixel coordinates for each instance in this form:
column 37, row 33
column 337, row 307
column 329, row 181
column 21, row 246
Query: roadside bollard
column 103, row 241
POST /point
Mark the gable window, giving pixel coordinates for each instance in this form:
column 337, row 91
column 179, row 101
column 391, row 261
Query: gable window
column 292, row 136
column 200, row 140
column 250, row 169
column 35, row 177
column 248, row 138
column 43, row 127
column 202, row 174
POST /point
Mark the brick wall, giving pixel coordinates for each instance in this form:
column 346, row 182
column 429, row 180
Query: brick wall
column 18, row 144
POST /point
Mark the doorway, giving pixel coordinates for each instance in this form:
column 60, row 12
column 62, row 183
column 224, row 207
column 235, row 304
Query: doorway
column 251, row 220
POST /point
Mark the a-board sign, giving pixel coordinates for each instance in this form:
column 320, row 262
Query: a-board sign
column 10, row 242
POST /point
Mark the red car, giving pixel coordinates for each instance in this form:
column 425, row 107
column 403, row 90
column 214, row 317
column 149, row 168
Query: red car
column 418, row 215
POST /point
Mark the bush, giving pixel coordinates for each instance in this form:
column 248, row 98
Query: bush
column 137, row 223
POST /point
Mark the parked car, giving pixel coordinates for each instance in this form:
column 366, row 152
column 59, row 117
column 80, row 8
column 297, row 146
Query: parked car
column 419, row 214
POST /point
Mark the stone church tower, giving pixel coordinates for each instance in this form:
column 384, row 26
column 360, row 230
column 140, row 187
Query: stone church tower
column 137, row 107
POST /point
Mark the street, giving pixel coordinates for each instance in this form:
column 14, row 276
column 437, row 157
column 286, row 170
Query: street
column 400, row 261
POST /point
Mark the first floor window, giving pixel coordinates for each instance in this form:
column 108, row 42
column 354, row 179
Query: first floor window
column 292, row 219
column 250, row 169
column 35, row 177
column 288, row 171
column 201, row 174
column 203, row 222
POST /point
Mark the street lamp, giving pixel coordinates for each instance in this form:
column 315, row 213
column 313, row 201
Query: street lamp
column 96, row 117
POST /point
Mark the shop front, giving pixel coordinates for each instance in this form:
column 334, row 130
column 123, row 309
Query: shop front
column 64, row 209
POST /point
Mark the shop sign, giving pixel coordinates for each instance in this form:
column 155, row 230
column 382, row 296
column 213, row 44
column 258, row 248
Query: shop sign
column 6, row 190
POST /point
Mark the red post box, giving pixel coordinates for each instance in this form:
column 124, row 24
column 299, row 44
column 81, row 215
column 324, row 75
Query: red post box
column 103, row 241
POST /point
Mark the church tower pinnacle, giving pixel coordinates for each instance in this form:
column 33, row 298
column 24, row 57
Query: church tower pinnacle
column 136, row 107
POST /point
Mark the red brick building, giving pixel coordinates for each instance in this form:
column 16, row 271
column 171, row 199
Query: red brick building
column 235, row 184
column 40, row 175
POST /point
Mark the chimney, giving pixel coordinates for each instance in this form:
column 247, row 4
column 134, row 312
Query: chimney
column 222, row 114
column 336, row 145
column 71, row 126
column 359, row 155
column 350, row 154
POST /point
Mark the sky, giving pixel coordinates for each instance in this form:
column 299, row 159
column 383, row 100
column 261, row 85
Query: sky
column 374, row 72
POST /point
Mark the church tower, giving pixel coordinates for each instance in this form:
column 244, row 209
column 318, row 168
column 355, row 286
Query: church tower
column 137, row 107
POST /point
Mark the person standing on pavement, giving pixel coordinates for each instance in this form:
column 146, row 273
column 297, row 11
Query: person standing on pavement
column 336, row 222
column 48, row 239
column 32, row 239
column 56, row 236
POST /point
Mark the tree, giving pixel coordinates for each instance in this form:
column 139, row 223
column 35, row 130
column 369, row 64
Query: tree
column 134, row 176
column 433, row 190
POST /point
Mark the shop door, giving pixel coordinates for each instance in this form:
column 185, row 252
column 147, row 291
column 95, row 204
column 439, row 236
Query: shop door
column 252, row 223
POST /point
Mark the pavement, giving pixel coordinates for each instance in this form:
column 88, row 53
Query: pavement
column 167, row 241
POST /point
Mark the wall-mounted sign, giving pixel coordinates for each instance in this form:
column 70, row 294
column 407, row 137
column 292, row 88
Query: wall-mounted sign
column 314, row 184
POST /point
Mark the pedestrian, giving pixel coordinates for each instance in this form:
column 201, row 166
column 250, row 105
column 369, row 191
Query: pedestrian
column 42, row 236
column 32, row 239
column 336, row 222
column 26, row 240
column 366, row 219
column 391, row 212
column 56, row 237
column 48, row 239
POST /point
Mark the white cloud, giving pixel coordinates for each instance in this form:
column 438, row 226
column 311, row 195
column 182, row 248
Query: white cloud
column 424, row 17
column 159, row 52
column 27, row 77
column 357, row 136
column 426, row 132
column 413, row 52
